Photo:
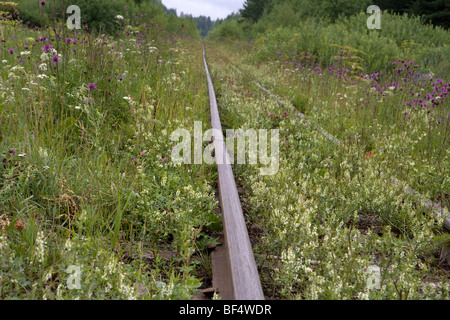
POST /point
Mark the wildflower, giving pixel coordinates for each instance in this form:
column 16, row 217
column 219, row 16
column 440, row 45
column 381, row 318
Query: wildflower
column 11, row 50
column 369, row 155
column 13, row 152
column 55, row 59
column 119, row 17
column 47, row 48
column 165, row 159
column 92, row 86
column 270, row 114
column 19, row 225
column 42, row 3
column 143, row 153
column 42, row 67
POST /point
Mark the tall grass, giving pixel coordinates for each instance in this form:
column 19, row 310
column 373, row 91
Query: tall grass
column 85, row 176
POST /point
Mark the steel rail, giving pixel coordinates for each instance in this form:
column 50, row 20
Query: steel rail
column 238, row 254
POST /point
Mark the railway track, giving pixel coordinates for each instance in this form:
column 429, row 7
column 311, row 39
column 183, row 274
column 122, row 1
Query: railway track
column 436, row 208
column 235, row 274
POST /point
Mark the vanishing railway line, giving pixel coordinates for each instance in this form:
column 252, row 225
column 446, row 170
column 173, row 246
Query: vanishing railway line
column 239, row 277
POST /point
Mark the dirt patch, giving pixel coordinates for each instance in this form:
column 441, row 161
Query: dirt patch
column 370, row 221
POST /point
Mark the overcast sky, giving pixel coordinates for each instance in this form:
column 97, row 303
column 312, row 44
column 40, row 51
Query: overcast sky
column 213, row 8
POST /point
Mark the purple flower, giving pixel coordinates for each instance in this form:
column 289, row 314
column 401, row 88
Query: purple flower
column 165, row 160
column 11, row 50
column 47, row 48
column 42, row 3
column 92, row 86
column 55, row 59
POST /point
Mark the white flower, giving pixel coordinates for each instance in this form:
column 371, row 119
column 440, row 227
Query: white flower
column 119, row 17
column 4, row 61
column 391, row 88
column 25, row 53
column 17, row 68
column 44, row 57
column 43, row 67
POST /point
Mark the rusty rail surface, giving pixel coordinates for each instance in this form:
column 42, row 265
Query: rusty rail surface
column 238, row 271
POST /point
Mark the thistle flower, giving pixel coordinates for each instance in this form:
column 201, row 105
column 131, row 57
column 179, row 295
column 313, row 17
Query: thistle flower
column 11, row 50
column 47, row 48
column 92, row 86
column 55, row 59
column 42, row 3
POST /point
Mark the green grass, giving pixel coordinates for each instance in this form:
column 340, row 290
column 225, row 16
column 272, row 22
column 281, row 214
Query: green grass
column 329, row 214
column 84, row 176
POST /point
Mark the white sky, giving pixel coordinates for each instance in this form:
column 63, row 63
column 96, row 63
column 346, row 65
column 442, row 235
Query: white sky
column 213, row 8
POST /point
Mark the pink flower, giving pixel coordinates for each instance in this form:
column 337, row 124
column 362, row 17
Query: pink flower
column 165, row 160
column 92, row 86
column 143, row 153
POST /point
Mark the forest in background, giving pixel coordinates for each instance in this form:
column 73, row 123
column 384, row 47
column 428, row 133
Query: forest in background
column 322, row 26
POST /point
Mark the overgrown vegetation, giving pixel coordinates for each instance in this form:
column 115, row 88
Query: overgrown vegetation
column 335, row 211
column 85, row 178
